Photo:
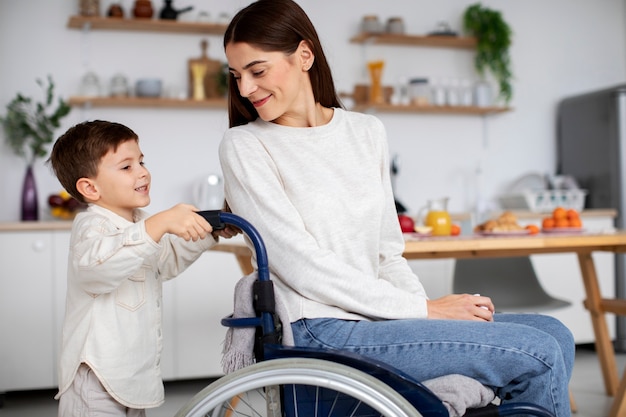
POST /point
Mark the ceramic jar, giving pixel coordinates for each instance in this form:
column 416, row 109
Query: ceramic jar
column 143, row 9
column 115, row 10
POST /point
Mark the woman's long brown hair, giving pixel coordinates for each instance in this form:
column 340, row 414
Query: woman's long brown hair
column 277, row 25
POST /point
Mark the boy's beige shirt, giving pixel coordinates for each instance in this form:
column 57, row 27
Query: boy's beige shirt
column 113, row 319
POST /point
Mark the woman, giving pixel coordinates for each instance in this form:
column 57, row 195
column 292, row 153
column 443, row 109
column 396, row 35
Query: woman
column 314, row 179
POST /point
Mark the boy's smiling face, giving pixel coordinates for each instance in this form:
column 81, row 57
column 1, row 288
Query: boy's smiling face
column 122, row 183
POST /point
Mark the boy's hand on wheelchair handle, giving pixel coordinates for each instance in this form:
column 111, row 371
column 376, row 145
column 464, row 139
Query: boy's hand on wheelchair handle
column 180, row 220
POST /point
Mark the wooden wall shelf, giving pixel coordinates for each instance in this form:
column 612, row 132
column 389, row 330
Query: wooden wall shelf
column 146, row 25
column 416, row 40
column 141, row 102
column 430, row 109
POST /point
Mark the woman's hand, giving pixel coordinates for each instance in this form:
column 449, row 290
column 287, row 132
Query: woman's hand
column 461, row 307
column 227, row 232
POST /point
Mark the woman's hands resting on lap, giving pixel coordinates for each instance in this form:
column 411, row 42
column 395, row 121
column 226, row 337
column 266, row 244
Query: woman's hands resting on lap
column 461, row 307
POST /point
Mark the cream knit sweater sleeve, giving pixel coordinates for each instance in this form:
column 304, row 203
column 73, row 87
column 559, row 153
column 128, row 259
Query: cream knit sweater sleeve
column 321, row 198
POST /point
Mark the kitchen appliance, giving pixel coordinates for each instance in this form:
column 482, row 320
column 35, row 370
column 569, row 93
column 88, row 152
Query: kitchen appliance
column 208, row 192
column 591, row 147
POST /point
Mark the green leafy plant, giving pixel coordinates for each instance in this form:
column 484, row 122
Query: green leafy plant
column 493, row 37
column 29, row 127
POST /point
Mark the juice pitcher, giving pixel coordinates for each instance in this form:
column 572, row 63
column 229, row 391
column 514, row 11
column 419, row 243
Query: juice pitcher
column 437, row 216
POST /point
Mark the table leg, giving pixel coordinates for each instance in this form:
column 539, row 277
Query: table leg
column 618, row 409
column 604, row 346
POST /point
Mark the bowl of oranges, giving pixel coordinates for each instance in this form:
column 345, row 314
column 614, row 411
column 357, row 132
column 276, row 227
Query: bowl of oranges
column 562, row 220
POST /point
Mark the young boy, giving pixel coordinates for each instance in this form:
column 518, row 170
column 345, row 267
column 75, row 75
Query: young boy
column 119, row 257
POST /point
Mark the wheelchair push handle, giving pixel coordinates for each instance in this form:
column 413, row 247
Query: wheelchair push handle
column 218, row 221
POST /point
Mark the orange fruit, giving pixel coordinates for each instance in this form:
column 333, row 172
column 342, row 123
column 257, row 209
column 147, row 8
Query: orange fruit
column 559, row 213
column 575, row 222
column 563, row 222
column 532, row 229
column 455, row 229
column 572, row 214
column 548, row 223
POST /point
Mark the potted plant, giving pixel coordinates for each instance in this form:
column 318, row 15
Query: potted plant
column 493, row 37
column 29, row 128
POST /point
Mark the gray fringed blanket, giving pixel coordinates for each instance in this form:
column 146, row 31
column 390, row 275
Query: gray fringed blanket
column 238, row 350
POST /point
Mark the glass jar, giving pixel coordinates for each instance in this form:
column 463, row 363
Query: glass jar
column 419, row 91
column 89, row 7
column 395, row 25
column 371, row 24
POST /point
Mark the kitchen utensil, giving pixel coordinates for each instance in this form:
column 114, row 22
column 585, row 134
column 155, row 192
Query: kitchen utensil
column 203, row 75
column 208, row 192
column 169, row 13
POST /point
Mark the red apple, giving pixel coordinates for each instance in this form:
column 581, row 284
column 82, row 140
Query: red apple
column 406, row 223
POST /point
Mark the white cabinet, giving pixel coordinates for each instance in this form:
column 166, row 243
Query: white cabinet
column 559, row 274
column 194, row 303
column 27, row 328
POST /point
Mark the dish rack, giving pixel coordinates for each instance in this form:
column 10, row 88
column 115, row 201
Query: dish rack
column 544, row 201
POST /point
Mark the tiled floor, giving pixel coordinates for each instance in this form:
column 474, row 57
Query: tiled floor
column 586, row 385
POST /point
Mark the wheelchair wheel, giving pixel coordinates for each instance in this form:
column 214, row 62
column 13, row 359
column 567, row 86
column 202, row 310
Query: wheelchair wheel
column 300, row 387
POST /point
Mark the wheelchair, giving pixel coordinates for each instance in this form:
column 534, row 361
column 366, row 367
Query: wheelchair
column 306, row 382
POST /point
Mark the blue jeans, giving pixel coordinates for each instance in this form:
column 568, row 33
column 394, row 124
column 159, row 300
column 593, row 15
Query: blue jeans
column 522, row 357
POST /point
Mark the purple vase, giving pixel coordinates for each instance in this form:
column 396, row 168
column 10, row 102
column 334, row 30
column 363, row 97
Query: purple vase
column 30, row 205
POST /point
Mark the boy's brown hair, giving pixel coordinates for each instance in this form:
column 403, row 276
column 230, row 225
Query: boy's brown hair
column 77, row 153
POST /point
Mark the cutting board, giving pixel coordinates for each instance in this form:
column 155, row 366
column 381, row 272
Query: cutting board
column 203, row 75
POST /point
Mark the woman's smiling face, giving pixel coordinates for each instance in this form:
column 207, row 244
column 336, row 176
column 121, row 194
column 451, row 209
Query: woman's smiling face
column 272, row 81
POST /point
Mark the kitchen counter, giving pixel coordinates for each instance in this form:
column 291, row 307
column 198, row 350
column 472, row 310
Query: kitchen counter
column 67, row 224
column 36, row 225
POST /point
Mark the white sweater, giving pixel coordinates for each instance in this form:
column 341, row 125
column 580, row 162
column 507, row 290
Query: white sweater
column 321, row 199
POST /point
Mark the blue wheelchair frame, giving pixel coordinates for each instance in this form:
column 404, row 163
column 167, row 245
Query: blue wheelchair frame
column 268, row 346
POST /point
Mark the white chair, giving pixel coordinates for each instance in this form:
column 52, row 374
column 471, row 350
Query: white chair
column 511, row 283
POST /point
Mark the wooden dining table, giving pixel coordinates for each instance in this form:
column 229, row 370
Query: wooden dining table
column 479, row 246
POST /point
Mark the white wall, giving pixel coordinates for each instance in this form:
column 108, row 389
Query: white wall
column 560, row 48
